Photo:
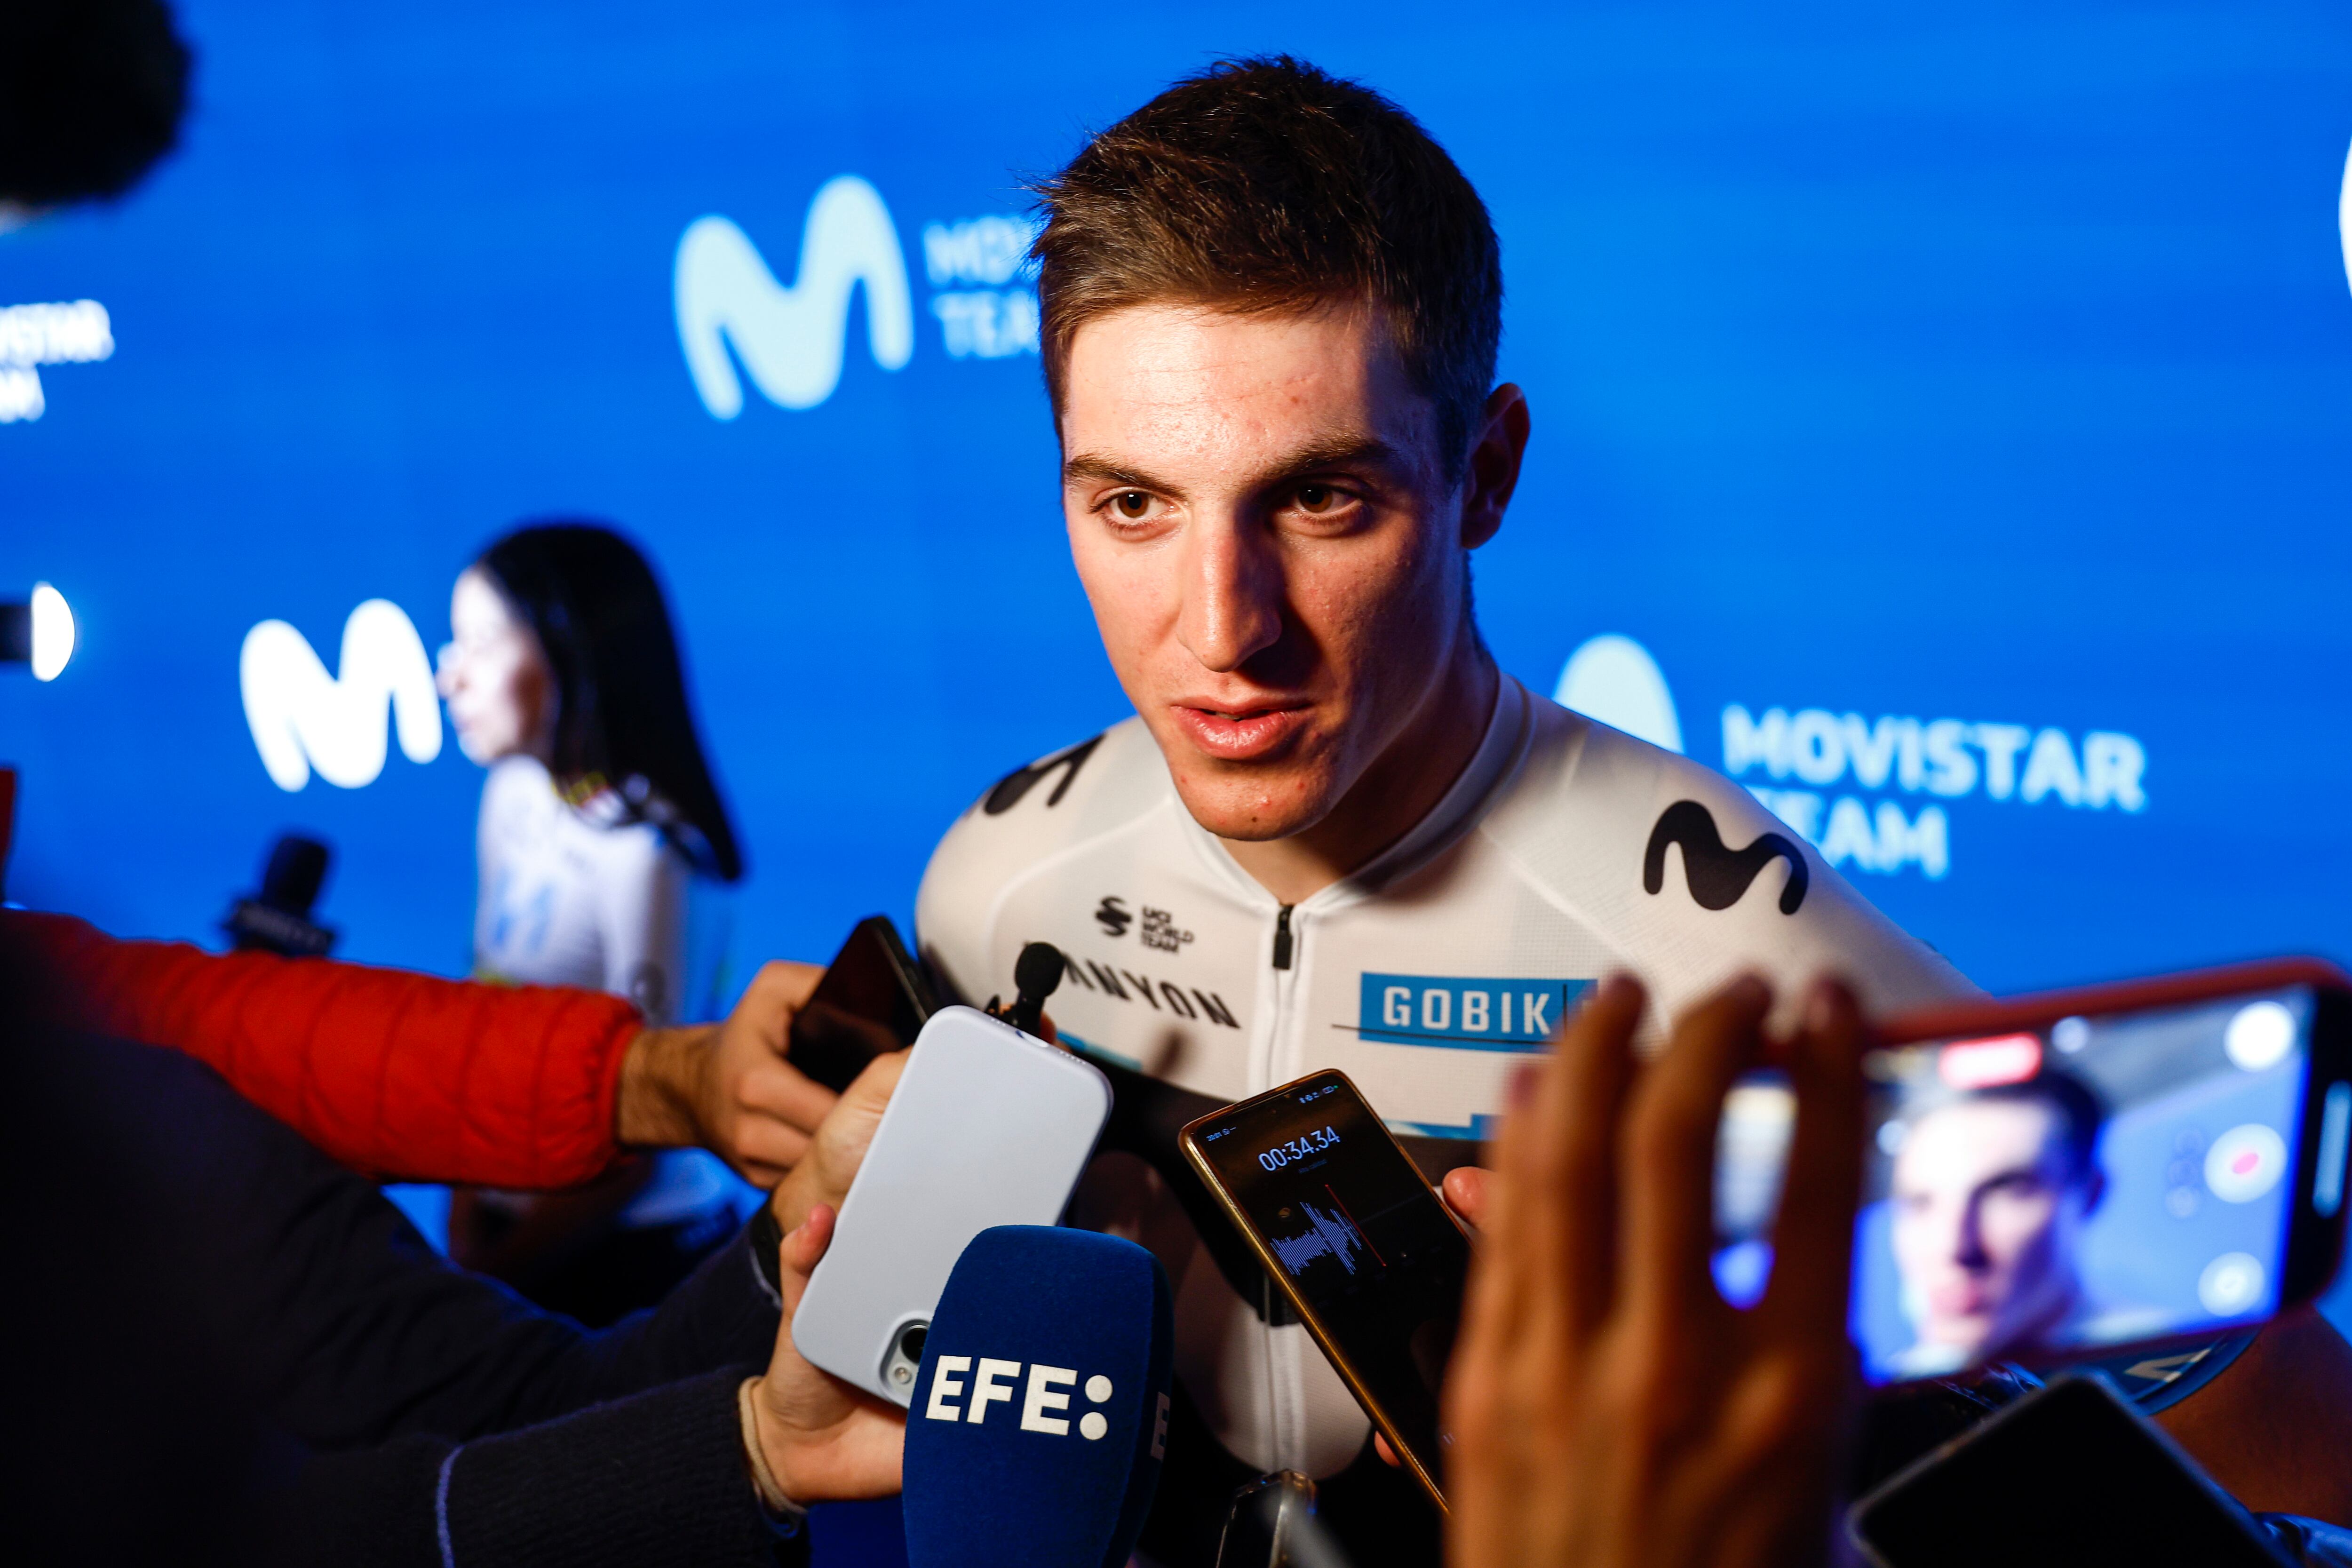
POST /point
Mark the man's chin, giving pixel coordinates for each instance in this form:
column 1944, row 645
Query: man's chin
column 1250, row 805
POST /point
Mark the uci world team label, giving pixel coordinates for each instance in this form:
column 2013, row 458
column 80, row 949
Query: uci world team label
column 1461, row 1013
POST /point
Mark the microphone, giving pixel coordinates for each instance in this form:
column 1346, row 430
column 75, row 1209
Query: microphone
column 278, row 919
column 1040, row 1417
column 1036, row 974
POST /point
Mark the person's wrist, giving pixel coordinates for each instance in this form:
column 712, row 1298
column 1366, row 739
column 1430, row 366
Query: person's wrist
column 776, row 1499
column 662, row 1078
column 774, row 1447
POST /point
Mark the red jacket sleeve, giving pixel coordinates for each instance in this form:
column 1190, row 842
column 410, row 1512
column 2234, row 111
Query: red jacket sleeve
column 398, row 1075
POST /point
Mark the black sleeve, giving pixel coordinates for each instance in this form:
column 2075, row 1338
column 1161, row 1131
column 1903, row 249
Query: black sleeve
column 654, row 1479
column 349, row 1330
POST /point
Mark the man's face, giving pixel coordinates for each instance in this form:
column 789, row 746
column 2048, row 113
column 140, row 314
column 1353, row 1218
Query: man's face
column 1259, row 509
column 1986, row 1222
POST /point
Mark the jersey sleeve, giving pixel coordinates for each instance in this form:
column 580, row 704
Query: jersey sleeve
column 1790, row 915
column 1696, row 882
column 399, row 1075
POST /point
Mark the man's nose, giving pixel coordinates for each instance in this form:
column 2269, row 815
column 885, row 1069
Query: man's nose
column 1967, row 1238
column 1233, row 593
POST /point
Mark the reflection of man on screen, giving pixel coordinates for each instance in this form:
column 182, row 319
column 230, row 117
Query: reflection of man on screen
column 1991, row 1192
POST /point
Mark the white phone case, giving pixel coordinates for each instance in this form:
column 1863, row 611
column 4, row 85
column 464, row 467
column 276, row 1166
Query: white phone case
column 987, row 1127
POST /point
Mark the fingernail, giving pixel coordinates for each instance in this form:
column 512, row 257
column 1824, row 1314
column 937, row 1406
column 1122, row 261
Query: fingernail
column 1523, row 1087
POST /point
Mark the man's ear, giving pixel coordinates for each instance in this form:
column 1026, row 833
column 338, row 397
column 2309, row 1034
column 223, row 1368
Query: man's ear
column 1494, row 470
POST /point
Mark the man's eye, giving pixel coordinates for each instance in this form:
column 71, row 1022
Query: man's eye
column 1317, row 499
column 1132, row 505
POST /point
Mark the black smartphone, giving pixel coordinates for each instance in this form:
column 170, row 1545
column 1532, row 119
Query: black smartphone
column 2068, row 1475
column 874, row 999
column 1350, row 1229
column 2069, row 1177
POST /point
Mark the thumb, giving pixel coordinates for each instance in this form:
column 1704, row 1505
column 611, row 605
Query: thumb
column 799, row 1253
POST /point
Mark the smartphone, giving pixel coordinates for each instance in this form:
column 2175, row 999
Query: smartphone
column 1348, row 1226
column 2070, row 1473
column 874, row 999
column 987, row 1127
column 2072, row 1176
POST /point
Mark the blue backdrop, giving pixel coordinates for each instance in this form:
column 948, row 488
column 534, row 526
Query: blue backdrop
column 1974, row 393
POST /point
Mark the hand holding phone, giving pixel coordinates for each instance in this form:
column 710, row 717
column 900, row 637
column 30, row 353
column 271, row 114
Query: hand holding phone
column 1347, row 1226
column 1607, row 1407
column 2110, row 1173
column 987, row 1127
column 873, row 998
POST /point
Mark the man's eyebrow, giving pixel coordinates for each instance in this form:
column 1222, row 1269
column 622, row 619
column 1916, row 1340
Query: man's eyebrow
column 1342, row 451
column 1092, row 467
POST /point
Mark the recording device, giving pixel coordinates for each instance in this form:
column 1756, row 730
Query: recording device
column 2068, row 1475
column 1347, row 1226
column 277, row 917
column 873, row 998
column 2068, row 1176
column 988, row 1126
column 1040, row 1418
column 1036, row 974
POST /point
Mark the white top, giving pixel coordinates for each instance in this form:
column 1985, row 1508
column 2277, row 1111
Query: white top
column 586, row 897
column 1426, row 977
column 573, row 897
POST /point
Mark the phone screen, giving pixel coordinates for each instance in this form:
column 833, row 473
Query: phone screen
column 1374, row 1259
column 2048, row 1192
column 2065, row 1476
column 873, row 999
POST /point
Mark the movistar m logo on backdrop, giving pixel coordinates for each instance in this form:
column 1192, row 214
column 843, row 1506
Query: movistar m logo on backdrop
column 1463, row 1013
column 790, row 337
column 303, row 718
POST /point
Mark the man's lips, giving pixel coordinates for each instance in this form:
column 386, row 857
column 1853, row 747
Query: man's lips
column 1959, row 1299
column 1243, row 733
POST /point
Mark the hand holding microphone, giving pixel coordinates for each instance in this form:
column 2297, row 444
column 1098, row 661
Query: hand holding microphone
column 1040, row 1418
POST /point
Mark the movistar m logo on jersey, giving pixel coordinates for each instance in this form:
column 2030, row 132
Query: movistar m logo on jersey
column 1463, row 1013
column 790, row 337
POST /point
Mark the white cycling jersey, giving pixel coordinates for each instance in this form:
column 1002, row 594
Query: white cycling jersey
column 1565, row 851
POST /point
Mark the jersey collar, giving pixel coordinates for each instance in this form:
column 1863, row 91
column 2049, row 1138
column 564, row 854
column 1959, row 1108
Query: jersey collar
column 1500, row 751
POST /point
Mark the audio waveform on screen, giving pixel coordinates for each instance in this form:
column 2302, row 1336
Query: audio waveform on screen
column 1329, row 1233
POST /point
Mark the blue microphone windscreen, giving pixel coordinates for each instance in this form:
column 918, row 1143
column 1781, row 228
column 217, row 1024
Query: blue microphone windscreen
column 1040, row 1415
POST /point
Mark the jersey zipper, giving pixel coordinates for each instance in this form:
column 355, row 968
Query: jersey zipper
column 1284, row 1414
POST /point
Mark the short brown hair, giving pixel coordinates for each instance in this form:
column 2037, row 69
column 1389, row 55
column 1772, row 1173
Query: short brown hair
column 1267, row 185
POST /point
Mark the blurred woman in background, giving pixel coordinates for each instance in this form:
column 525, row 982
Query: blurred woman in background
column 599, row 822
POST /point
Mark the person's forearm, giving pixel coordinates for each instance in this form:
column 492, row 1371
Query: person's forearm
column 359, row 1333
column 658, row 1479
column 397, row 1075
column 662, row 1087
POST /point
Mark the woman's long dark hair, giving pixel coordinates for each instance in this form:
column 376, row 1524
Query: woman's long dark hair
column 621, row 713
